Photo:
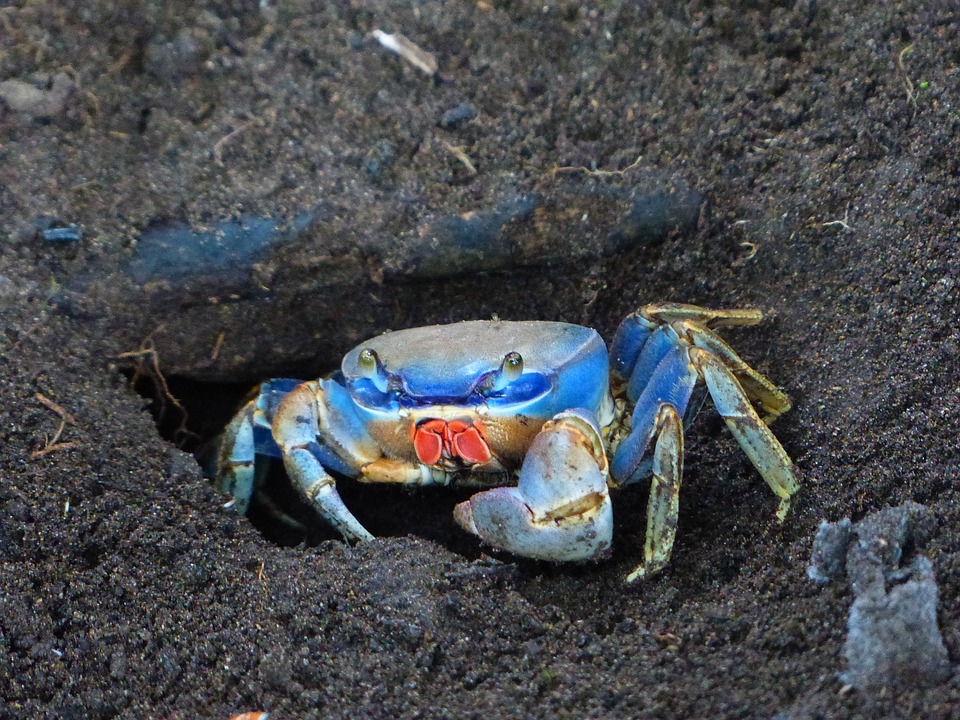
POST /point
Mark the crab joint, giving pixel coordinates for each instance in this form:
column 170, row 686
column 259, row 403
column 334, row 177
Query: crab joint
column 437, row 439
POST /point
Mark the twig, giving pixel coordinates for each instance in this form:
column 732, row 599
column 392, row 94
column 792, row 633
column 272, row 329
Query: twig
column 408, row 50
column 218, row 145
column 51, row 405
column 218, row 346
column 844, row 224
column 751, row 253
column 52, row 444
column 461, row 155
column 602, row 173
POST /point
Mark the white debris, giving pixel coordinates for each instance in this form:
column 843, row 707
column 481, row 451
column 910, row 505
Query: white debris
column 45, row 99
column 408, row 50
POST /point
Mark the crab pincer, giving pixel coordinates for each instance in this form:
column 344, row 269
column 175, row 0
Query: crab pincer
column 560, row 509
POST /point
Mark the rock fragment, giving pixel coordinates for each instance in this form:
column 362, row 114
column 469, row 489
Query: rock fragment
column 829, row 558
column 893, row 640
column 42, row 100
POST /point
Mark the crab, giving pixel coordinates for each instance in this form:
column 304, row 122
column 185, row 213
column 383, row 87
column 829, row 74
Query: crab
column 538, row 412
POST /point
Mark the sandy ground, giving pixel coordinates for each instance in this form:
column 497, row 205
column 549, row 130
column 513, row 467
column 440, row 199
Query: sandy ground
column 823, row 138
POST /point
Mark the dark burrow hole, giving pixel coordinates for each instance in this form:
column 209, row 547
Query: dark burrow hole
column 191, row 414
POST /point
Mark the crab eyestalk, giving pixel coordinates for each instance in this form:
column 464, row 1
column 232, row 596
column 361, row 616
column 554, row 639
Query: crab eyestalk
column 372, row 367
column 510, row 369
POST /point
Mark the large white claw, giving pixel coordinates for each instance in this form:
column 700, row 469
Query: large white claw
column 560, row 509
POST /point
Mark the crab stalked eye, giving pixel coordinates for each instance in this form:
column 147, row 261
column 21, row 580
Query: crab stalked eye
column 510, row 369
column 371, row 367
column 368, row 359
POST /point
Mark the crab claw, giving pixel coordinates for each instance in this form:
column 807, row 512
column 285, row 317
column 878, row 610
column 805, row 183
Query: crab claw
column 560, row 509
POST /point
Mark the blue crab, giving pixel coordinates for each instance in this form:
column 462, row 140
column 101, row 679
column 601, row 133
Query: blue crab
column 484, row 403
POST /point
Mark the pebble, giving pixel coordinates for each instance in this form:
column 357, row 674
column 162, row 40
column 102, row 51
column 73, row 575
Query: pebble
column 458, row 115
column 41, row 100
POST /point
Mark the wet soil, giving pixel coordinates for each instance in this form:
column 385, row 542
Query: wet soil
column 825, row 138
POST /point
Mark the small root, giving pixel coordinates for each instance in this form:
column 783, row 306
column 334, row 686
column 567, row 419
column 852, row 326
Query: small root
column 218, row 346
column 146, row 364
column 53, row 444
column 600, row 173
column 460, row 154
column 908, row 83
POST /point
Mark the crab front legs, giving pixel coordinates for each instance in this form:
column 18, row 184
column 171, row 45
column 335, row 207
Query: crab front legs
column 312, row 411
column 560, row 509
column 662, row 352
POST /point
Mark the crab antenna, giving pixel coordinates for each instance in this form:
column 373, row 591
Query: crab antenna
column 510, row 369
column 372, row 368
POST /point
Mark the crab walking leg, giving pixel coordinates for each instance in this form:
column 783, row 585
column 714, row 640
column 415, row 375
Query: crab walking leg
column 764, row 450
column 631, row 337
column 235, row 464
column 772, row 400
column 671, row 383
column 295, row 428
column 560, row 509
column 635, row 330
column 674, row 312
column 663, row 343
column 663, row 507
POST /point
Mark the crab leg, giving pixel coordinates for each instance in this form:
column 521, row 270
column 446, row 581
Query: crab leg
column 761, row 446
column 671, row 383
column 658, row 415
column 663, row 507
column 668, row 369
column 635, row 330
column 249, row 435
column 771, row 399
column 235, row 463
column 673, row 312
column 295, row 428
column 697, row 325
column 560, row 509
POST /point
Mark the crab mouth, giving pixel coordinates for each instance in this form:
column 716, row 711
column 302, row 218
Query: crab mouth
column 448, row 443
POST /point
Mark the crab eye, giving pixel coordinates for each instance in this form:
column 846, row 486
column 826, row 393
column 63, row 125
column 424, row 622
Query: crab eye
column 510, row 369
column 368, row 359
column 371, row 367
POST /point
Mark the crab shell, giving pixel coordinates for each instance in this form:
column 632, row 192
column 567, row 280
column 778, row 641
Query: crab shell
column 436, row 373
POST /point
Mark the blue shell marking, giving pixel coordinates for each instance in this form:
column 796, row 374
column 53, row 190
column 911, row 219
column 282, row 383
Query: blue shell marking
column 565, row 366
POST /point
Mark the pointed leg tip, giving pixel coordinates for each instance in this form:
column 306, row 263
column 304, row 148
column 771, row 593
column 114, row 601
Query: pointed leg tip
column 355, row 537
column 783, row 508
column 645, row 571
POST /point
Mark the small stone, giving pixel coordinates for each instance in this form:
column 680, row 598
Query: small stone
column 829, row 558
column 35, row 100
column 62, row 235
column 380, row 158
column 458, row 115
column 893, row 640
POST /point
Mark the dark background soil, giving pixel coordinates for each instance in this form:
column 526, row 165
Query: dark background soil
column 126, row 589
